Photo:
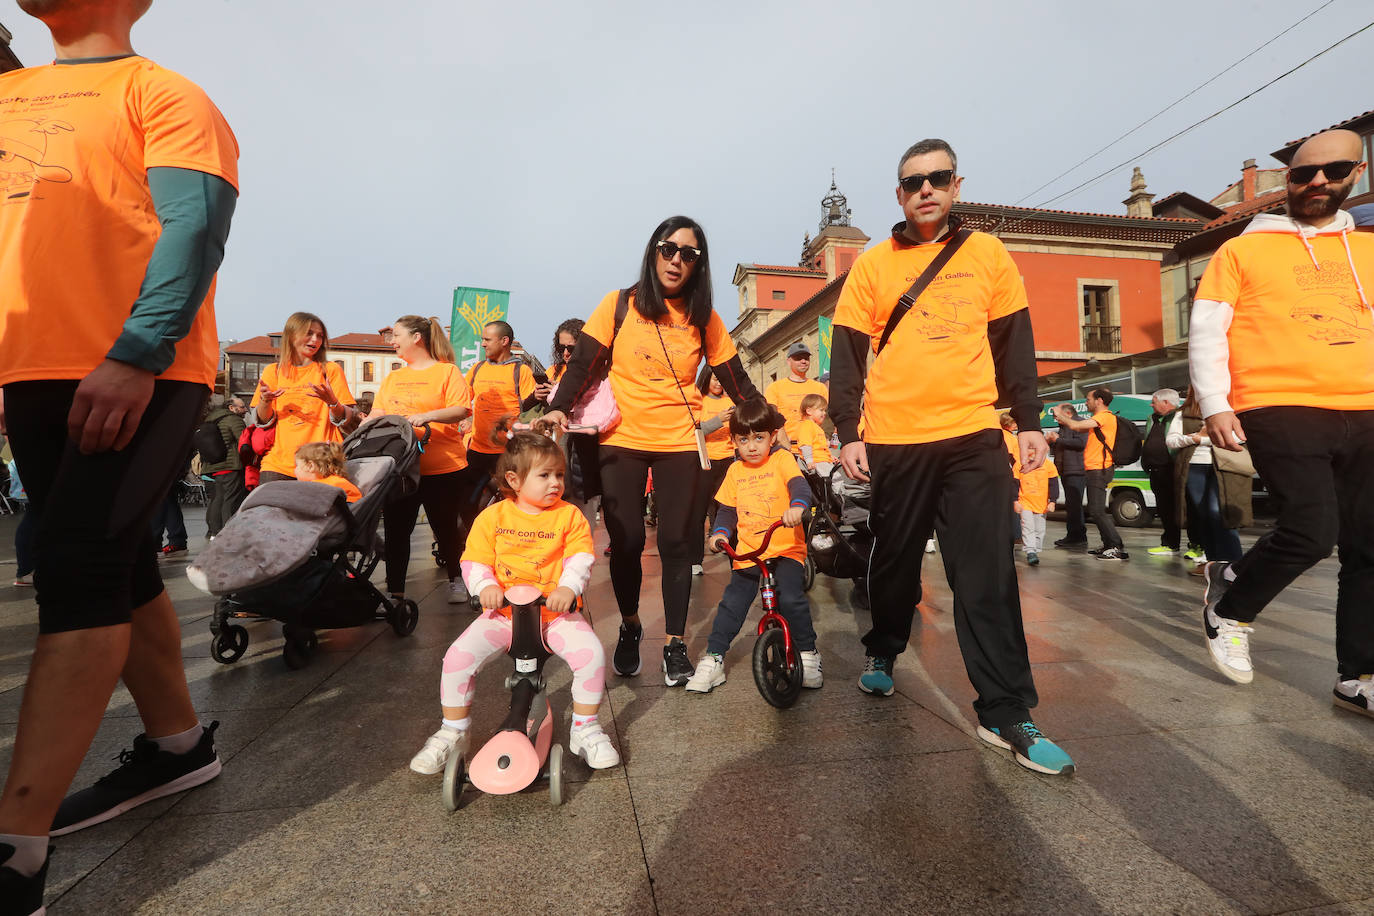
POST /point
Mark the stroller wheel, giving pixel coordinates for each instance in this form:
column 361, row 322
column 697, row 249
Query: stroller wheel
column 438, row 558
column 403, row 615
column 455, row 777
column 808, row 574
column 556, row 775
column 778, row 682
column 229, row 644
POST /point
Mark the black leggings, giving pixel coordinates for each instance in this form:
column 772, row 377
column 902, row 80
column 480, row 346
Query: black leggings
column 677, row 478
column 706, row 501
column 442, row 496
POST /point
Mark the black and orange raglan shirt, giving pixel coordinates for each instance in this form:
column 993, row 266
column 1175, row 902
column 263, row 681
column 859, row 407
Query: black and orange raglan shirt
column 967, row 338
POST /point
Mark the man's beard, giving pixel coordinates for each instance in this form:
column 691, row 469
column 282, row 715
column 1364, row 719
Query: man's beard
column 1321, row 205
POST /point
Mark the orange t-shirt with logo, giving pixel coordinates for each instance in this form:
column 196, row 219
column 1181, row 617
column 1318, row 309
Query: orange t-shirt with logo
column 1095, row 457
column 408, row 391
column 650, row 390
column 1035, row 487
column 496, row 397
column 1299, row 335
column 77, row 223
column 759, row 497
column 524, row 549
column 935, row 378
column 351, row 492
column 809, row 432
column 786, row 395
column 719, row 445
column 301, row 417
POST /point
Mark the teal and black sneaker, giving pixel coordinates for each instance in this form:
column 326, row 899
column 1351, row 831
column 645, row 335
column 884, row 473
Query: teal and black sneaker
column 877, row 676
column 1032, row 749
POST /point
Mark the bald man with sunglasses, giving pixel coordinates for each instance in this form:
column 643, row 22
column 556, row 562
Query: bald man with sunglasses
column 1281, row 354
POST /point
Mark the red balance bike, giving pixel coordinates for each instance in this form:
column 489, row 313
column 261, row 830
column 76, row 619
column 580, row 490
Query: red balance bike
column 514, row 757
column 777, row 662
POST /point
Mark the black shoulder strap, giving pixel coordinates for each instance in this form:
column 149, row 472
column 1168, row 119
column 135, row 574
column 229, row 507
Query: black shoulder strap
column 905, row 303
column 622, row 308
column 1097, row 431
column 516, row 366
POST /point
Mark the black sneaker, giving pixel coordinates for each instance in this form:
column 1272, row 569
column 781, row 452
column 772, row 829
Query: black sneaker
column 626, row 659
column 677, row 668
column 145, row 773
column 1069, row 543
column 21, row 895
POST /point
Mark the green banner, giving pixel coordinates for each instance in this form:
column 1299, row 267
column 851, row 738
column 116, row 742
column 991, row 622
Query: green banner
column 823, row 345
column 474, row 309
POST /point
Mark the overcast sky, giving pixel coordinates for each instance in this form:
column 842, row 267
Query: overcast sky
column 389, row 156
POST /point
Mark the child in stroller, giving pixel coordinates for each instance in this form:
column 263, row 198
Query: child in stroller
column 299, row 552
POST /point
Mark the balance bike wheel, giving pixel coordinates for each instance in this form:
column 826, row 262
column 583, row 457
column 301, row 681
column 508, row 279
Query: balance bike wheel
column 403, row 615
column 808, row 574
column 556, row 775
column 779, row 682
column 455, row 778
column 229, row 644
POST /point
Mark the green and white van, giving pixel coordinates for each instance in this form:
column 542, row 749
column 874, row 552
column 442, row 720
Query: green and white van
column 1129, row 495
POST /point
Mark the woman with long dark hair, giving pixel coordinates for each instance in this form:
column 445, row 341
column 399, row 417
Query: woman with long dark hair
column 716, row 409
column 668, row 330
column 582, row 451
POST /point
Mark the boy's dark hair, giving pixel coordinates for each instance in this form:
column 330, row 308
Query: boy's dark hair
column 1103, row 394
column 524, row 452
column 755, row 416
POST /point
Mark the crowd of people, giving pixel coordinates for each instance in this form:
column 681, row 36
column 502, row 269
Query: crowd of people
column 102, row 418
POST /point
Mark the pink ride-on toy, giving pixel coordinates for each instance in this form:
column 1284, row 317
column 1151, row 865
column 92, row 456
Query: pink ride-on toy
column 777, row 663
column 515, row 756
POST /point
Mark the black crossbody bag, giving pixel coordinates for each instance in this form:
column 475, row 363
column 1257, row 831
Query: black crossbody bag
column 909, row 298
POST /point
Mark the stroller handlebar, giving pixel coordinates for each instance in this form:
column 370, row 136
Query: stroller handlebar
column 755, row 554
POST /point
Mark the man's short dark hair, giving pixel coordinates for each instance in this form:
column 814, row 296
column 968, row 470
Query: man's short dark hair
column 928, row 146
column 1103, row 394
column 503, row 329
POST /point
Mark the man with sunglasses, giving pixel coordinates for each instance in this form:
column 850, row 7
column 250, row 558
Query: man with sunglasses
column 786, row 394
column 1281, row 352
column 932, row 444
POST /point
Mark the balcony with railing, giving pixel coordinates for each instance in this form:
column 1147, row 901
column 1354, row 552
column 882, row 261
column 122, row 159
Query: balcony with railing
column 1102, row 338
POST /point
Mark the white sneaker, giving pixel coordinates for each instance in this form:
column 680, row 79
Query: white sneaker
column 439, row 747
column 811, row 669
column 594, row 746
column 1356, row 695
column 457, row 592
column 709, row 675
column 1228, row 641
column 930, row 545
column 698, row 569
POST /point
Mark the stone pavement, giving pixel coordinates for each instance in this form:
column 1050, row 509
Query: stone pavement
column 1192, row 795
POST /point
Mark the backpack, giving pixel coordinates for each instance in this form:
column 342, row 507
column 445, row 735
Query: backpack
column 209, row 443
column 1128, row 441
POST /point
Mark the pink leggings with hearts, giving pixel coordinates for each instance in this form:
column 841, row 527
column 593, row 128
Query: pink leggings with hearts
column 569, row 636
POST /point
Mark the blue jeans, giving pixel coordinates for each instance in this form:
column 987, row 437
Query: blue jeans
column 1204, row 500
column 169, row 518
column 739, row 597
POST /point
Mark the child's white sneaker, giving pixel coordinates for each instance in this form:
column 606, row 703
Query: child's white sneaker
column 709, row 675
column 594, row 746
column 811, row 669
column 439, row 747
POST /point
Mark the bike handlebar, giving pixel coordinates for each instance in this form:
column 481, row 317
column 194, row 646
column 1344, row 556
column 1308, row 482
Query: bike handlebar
column 752, row 556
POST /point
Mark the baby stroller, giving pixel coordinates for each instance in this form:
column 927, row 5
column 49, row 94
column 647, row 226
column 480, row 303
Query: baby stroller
column 838, row 539
column 297, row 552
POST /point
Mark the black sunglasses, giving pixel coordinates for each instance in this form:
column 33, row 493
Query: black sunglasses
column 670, row 249
column 565, row 348
column 938, row 180
column 1334, row 171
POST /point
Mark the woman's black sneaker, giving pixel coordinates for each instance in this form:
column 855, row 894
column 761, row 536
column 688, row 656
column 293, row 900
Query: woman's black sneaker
column 21, row 895
column 626, row 658
column 677, row 668
column 145, row 773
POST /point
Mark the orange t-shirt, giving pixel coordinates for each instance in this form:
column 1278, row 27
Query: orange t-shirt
column 408, row 391
column 719, row 445
column 786, row 395
column 301, row 417
column 935, row 379
column 351, row 492
column 809, row 432
column 1035, row 487
column 648, row 391
column 1095, row 457
column 1013, row 445
column 524, row 549
column 77, row 223
column 494, row 398
column 1299, row 335
column 759, row 497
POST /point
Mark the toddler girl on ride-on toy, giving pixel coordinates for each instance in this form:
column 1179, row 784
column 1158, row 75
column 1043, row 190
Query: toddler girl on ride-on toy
column 761, row 487
column 532, row 537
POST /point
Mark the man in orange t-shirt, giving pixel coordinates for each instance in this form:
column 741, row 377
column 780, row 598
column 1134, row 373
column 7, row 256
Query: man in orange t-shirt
column 502, row 386
column 1281, row 356
column 786, row 394
column 1098, row 467
column 116, row 192
column 931, row 440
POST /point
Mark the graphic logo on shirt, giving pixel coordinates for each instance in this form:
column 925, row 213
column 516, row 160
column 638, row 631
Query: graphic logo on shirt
column 648, row 356
column 1335, row 318
column 518, row 570
column 935, row 316
column 23, row 156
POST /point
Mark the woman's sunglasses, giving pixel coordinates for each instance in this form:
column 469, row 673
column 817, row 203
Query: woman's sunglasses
column 938, row 180
column 668, row 250
column 1334, row 171
column 565, row 348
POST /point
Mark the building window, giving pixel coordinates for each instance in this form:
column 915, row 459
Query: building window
column 779, row 295
column 1362, row 186
column 1101, row 327
column 340, row 364
column 367, row 371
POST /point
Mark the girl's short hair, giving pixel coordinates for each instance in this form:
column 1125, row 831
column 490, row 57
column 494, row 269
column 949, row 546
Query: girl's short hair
column 755, row 416
column 327, row 458
column 811, row 402
column 524, row 452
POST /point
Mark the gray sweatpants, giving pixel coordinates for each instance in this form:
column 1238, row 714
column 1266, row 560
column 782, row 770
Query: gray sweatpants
column 1032, row 531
